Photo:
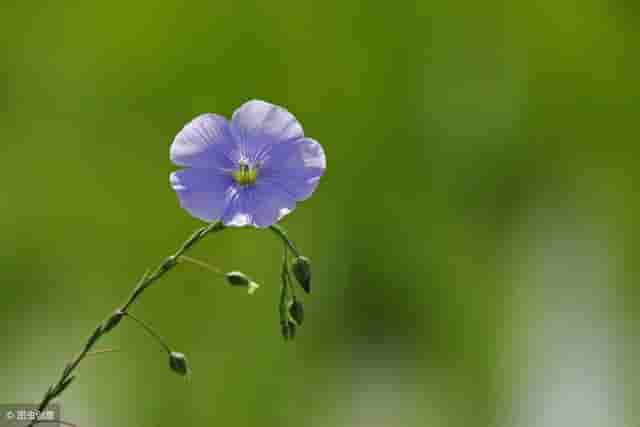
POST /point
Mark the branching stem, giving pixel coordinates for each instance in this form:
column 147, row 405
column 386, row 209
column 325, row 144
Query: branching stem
column 283, row 235
column 149, row 278
column 114, row 320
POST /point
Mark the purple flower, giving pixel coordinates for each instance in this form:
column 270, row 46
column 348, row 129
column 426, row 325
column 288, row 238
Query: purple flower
column 248, row 171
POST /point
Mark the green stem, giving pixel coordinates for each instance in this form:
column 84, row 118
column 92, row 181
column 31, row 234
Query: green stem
column 284, row 292
column 285, row 269
column 170, row 262
column 151, row 332
column 285, row 238
column 146, row 281
column 201, row 264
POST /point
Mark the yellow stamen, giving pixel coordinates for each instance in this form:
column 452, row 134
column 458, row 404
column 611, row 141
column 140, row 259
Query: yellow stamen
column 245, row 175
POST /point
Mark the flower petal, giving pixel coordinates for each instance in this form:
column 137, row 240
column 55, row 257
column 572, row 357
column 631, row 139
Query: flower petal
column 258, row 124
column 205, row 142
column 270, row 204
column 204, row 193
column 236, row 213
column 261, row 205
column 295, row 165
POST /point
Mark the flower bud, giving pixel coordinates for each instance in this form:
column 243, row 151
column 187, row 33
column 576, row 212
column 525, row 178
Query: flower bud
column 292, row 330
column 236, row 278
column 302, row 271
column 178, row 363
column 296, row 311
column 288, row 329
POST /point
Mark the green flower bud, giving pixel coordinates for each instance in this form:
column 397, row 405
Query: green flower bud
column 292, row 330
column 302, row 271
column 296, row 311
column 288, row 329
column 236, row 278
column 178, row 363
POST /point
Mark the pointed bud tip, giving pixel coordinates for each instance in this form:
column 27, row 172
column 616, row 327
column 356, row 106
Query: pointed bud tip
column 252, row 287
column 302, row 271
column 288, row 330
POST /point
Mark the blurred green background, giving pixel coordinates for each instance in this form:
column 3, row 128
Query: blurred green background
column 473, row 239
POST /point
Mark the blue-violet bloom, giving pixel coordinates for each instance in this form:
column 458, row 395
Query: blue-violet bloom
column 250, row 170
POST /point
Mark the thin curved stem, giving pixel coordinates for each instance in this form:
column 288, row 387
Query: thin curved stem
column 201, row 264
column 285, row 238
column 285, row 269
column 170, row 262
column 151, row 332
column 288, row 330
column 149, row 278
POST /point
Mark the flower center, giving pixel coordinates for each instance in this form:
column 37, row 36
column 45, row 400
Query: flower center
column 245, row 175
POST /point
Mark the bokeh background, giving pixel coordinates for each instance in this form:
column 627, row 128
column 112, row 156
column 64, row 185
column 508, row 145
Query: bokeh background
column 473, row 239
